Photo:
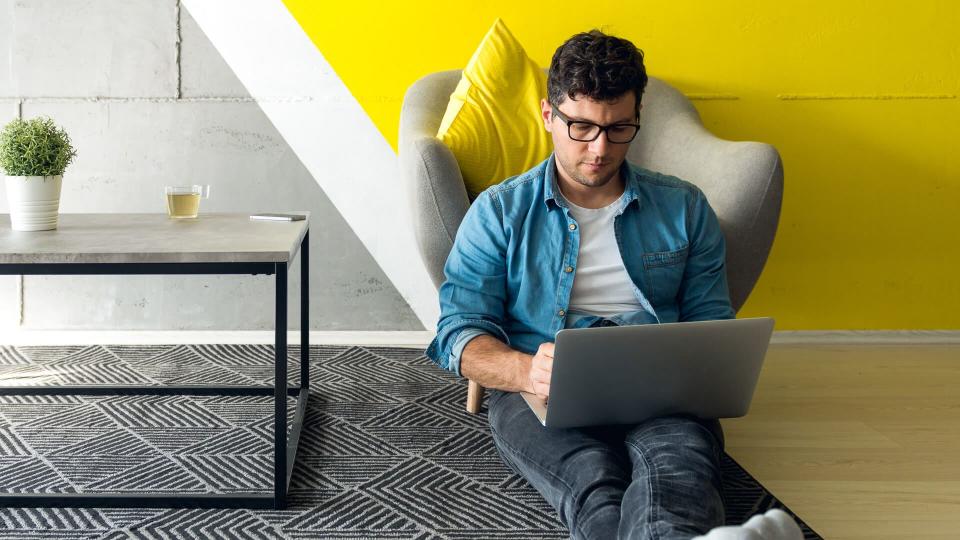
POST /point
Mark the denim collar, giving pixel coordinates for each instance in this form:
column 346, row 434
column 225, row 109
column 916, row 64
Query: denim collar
column 551, row 192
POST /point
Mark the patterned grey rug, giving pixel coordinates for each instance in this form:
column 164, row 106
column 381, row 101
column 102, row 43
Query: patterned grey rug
column 387, row 450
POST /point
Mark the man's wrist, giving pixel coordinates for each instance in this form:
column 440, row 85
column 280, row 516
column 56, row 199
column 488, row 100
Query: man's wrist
column 524, row 363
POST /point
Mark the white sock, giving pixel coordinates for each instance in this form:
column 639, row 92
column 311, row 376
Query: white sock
column 774, row 525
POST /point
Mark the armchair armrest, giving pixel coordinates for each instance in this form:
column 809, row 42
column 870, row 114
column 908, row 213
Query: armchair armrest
column 435, row 189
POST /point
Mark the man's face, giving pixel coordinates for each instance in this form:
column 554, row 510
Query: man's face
column 595, row 163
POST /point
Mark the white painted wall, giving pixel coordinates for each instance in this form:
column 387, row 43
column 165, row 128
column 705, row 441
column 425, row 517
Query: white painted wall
column 149, row 101
column 9, row 297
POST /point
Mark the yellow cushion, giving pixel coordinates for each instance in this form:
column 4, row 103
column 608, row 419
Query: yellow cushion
column 493, row 123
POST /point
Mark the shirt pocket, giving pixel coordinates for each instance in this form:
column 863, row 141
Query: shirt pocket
column 664, row 273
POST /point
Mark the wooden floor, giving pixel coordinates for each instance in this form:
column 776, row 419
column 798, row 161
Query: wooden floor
column 861, row 441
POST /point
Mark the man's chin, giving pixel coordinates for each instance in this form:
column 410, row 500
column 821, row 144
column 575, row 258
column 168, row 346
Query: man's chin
column 597, row 179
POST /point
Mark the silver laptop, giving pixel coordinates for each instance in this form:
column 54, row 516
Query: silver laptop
column 627, row 374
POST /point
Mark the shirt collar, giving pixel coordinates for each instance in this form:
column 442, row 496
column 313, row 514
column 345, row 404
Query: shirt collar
column 552, row 193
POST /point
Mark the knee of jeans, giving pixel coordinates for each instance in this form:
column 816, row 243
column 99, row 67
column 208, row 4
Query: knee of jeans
column 680, row 431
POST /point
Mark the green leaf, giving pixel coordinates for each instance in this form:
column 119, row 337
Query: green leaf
column 35, row 147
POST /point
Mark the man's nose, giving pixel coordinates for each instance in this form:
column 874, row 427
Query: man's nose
column 600, row 144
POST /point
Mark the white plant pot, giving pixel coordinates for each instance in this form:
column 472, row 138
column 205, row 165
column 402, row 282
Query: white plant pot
column 34, row 202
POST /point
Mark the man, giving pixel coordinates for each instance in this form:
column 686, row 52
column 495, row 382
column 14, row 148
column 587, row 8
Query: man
column 587, row 239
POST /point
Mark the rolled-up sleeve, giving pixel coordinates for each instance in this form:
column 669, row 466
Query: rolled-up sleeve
column 456, row 352
column 703, row 293
column 473, row 296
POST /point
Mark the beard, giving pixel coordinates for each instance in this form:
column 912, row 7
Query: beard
column 600, row 178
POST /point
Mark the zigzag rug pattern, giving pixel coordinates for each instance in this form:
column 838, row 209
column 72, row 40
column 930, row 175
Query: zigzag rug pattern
column 386, row 450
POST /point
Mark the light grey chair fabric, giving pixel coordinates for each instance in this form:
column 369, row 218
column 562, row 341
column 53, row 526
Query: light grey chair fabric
column 429, row 171
column 743, row 181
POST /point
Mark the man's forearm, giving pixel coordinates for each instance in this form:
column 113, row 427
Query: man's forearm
column 493, row 364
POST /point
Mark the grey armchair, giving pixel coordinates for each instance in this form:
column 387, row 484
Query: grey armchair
column 742, row 180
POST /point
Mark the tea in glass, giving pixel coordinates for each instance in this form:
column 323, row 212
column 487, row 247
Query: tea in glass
column 183, row 202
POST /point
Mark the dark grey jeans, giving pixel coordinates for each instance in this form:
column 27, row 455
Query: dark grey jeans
column 658, row 480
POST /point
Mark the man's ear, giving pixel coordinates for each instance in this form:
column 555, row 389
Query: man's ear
column 546, row 112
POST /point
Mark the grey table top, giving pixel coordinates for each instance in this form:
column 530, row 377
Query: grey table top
column 153, row 238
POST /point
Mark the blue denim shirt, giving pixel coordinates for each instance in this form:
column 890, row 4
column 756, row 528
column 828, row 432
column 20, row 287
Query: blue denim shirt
column 511, row 269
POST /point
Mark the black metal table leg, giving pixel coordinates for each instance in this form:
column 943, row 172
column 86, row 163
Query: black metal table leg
column 305, row 311
column 280, row 391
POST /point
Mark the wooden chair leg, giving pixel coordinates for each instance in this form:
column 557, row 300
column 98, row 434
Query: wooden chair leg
column 474, row 397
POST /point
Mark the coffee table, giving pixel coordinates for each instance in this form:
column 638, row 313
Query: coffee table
column 88, row 244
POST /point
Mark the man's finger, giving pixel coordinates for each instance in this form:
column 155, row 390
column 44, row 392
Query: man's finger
column 541, row 377
column 545, row 362
column 545, row 367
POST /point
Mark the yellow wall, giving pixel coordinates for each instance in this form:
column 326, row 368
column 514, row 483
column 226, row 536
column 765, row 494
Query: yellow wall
column 860, row 98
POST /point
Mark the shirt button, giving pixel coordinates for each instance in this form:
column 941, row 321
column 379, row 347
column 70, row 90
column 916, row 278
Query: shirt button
column 573, row 226
column 568, row 269
column 561, row 313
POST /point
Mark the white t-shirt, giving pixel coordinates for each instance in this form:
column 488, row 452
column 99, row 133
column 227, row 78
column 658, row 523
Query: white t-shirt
column 601, row 285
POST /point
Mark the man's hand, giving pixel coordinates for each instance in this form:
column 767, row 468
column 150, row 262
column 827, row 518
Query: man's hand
column 493, row 364
column 540, row 369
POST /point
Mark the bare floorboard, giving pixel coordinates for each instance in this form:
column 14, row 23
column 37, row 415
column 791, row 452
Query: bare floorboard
column 862, row 441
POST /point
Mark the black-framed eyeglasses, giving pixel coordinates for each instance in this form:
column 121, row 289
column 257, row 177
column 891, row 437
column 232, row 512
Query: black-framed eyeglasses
column 579, row 130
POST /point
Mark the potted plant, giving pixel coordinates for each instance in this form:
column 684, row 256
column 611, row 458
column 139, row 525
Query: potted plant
column 34, row 154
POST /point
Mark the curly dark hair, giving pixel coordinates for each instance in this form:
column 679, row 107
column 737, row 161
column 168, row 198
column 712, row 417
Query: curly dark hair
column 598, row 66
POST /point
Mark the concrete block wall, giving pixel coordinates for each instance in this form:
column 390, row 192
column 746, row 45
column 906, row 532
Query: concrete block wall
column 149, row 102
column 9, row 285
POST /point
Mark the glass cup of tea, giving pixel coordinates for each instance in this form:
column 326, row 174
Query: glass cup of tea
column 183, row 202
